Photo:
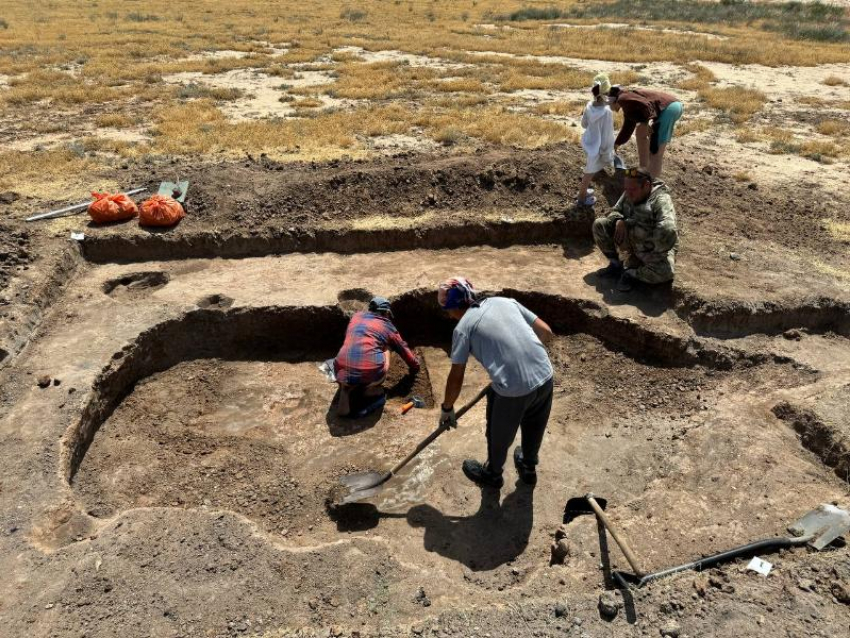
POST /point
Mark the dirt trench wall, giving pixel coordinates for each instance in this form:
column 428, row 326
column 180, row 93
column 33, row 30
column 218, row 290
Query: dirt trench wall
column 735, row 319
column 315, row 333
column 266, row 333
column 122, row 248
column 827, row 442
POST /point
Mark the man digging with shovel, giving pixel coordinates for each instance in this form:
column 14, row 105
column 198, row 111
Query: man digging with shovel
column 507, row 339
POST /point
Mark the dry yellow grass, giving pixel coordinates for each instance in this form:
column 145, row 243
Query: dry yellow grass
column 114, row 120
column 836, row 128
column 839, row 230
column 307, row 103
column 52, row 174
column 561, row 108
column 75, row 57
column 700, row 79
column 832, row 271
column 742, row 176
column 694, row 126
column 738, row 103
column 834, row 80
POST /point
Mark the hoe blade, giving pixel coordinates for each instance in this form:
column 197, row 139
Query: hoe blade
column 579, row 506
column 824, row 525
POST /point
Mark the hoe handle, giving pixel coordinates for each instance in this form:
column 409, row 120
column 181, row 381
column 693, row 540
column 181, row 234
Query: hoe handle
column 624, row 546
column 428, row 440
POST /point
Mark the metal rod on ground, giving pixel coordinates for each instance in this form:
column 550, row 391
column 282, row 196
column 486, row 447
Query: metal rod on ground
column 70, row 210
column 624, row 546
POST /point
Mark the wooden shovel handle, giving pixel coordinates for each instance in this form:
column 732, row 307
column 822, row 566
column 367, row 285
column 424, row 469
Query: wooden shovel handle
column 624, row 546
column 428, row 440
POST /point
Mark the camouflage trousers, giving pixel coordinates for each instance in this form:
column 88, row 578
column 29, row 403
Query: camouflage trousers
column 649, row 267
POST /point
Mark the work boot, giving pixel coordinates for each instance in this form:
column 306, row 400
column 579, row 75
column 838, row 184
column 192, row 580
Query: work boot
column 627, row 281
column 526, row 471
column 481, row 474
column 613, row 269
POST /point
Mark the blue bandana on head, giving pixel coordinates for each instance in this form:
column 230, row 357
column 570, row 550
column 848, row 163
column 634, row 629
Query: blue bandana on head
column 457, row 292
column 382, row 305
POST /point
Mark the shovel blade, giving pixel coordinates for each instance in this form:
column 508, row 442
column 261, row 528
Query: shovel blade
column 364, row 480
column 619, row 164
column 360, row 495
column 824, row 524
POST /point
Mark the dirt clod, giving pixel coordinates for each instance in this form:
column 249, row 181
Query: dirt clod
column 670, row 629
column 560, row 552
column 43, row 381
column 609, row 604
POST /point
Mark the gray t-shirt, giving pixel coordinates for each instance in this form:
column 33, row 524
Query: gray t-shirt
column 498, row 333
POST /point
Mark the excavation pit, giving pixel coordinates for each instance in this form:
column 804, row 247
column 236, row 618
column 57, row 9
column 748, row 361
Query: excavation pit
column 135, row 285
column 201, row 444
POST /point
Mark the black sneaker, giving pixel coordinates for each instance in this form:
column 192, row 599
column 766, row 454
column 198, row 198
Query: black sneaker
column 627, row 282
column 613, row 269
column 481, row 475
column 526, row 471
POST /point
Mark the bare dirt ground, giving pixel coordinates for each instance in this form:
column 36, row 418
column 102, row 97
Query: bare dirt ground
column 170, row 446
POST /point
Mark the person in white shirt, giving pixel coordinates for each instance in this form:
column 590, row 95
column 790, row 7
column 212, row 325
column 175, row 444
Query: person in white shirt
column 598, row 137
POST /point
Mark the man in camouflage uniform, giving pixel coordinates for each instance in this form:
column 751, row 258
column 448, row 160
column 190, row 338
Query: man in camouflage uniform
column 639, row 237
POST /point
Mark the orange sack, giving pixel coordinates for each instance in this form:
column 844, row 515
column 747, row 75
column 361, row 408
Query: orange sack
column 108, row 207
column 161, row 210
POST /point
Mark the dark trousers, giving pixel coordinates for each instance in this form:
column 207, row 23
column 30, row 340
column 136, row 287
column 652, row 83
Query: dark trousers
column 506, row 415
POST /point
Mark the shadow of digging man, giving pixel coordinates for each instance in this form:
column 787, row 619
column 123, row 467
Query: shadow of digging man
column 494, row 535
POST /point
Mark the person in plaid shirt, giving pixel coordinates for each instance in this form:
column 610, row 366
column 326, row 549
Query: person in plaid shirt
column 364, row 359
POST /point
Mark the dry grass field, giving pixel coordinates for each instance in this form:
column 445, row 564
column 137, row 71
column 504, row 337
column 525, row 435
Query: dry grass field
column 88, row 86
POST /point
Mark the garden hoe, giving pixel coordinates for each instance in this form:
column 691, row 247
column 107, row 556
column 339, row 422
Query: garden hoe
column 364, row 485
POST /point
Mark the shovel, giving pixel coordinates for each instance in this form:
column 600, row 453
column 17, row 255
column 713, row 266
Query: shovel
column 367, row 484
column 817, row 529
column 619, row 164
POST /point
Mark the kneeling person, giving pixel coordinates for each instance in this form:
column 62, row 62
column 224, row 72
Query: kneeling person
column 507, row 339
column 639, row 237
column 364, row 359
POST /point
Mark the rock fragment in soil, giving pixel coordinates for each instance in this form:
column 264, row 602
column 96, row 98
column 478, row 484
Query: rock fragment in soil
column 560, row 610
column 670, row 629
column 421, row 598
column 610, row 603
column 44, row 381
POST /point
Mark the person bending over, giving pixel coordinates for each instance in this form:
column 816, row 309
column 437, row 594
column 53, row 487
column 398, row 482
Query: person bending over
column 507, row 339
column 364, row 359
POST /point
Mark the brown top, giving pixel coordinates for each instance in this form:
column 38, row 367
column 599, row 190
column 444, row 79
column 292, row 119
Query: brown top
column 639, row 107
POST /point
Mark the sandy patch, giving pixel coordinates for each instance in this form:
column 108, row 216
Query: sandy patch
column 400, row 56
column 262, row 92
column 50, row 140
column 624, row 25
column 764, row 168
column 229, row 54
column 398, row 142
column 786, row 81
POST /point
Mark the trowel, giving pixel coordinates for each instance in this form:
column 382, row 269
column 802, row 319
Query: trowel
column 176, row 190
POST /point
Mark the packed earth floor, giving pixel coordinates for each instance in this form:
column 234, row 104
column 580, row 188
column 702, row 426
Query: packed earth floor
column 170, row 446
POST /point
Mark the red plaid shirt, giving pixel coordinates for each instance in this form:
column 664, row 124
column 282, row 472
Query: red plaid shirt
column 362, row 359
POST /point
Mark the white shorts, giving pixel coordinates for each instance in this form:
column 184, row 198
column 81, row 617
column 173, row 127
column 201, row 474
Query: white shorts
column 598, row 163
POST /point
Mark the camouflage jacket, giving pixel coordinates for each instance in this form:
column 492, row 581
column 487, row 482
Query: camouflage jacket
column 652, row 223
